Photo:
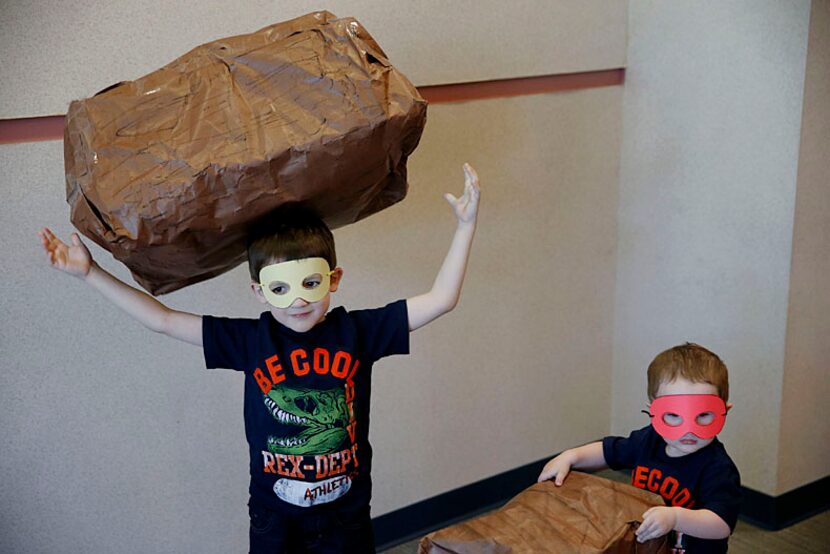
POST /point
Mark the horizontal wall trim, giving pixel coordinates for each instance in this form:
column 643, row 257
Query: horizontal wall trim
column 31, row 129
column 461, row 92
column 50, row 127
column 416, row 520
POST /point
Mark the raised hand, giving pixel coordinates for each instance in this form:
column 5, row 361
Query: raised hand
column 74, row 260
column 466, row 207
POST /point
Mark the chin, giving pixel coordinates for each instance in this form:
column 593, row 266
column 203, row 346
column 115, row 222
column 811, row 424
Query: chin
column 301, row 327
column 299, row 324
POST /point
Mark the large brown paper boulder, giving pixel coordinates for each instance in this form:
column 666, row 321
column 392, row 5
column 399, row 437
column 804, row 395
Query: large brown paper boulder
column 169, row 172
column 587, row 514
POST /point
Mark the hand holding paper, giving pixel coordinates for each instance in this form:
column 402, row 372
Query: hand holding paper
column 657, row 521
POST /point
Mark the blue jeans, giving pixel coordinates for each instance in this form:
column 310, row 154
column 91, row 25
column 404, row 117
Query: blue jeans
column 334, row 531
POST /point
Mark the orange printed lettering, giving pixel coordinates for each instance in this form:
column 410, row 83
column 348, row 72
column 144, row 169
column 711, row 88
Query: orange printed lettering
column 669, row 488
column 281, row 465
column 268, row 462
column 322, row 463
column 350, row 379
column 682, row 497
column 321, row 361
column 301, row 368
column 296, row 461
column 654, row 480
column 334, row 464
column 340, row 364
column 275, row 369
column 262, row 381
column 638, row 478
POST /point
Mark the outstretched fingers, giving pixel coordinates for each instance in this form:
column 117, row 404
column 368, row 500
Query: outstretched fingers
column 73, row 258
column 51, row 244
column 466, row 206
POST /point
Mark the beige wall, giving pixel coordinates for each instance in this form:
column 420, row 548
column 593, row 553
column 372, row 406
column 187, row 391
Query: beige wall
column 496, row 384
column 117, row 440
column 117, row 434
column 711, row 125
column 615, row 222
column 804, row 454
column 68, row 50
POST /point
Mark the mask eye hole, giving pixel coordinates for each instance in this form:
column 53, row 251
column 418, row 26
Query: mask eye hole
column 672, row 419
column 312, row 281
column 279, row 288
column 706, row 418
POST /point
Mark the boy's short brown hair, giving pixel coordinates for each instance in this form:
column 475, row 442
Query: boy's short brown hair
column 692, row 362
column 292, row 232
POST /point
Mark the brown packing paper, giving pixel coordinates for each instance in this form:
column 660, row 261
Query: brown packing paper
column 587, row 514
column 170, row 171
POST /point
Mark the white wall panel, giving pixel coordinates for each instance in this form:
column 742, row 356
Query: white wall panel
column 805, row 438
column 712, row 117
column 55, row 52
column 521, row 369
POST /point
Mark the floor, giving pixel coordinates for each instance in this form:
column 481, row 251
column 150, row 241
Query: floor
column 809, row 536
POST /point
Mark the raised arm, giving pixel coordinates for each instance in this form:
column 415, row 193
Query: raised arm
column 446, row 289
column 76, row 260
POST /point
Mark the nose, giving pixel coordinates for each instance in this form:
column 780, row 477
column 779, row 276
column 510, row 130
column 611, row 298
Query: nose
column 298, row 303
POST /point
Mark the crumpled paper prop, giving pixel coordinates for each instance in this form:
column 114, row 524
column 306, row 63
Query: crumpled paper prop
column 587, row 514
column 169, row 172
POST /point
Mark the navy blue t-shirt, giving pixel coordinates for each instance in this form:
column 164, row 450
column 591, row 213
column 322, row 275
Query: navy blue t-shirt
column 307, row 400
column 706, row 479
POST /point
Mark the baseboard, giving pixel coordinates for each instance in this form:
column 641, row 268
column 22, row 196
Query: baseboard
column 777, row 512
column 416, row 520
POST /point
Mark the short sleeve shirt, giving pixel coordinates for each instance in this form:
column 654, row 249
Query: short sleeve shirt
column 307, row 400
column 706, row 479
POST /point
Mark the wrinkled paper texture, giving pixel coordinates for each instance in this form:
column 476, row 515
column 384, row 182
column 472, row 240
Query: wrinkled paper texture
column 587, row 514
column 170, row 171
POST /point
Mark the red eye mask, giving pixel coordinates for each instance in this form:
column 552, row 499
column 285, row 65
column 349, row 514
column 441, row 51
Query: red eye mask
column 674, row 415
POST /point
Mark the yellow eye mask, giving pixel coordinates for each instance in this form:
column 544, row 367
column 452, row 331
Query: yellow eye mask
column 284, row 282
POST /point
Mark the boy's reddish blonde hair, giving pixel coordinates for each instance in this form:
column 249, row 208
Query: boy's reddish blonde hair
column 692, row 362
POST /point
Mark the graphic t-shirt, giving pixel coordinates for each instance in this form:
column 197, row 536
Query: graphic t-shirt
column 706, row 479
column 307, row 400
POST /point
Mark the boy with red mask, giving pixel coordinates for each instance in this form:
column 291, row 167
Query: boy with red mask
column 678, row 456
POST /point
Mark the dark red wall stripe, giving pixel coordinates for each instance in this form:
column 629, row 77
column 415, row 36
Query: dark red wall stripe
column 31, row 129
column 34, row 129
column 439, row 94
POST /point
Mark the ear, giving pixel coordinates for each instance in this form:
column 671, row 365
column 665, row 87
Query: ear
column 728, row 407
column 257, row 290
column 336, row 276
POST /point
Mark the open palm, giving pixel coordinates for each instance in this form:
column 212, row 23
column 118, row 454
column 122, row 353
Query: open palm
column 466, row 207
column 74, row 259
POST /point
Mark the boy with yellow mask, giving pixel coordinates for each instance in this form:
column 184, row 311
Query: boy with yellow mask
column 307, row 370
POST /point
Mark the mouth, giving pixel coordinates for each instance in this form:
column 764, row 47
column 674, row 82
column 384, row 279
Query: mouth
column 688, row 441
